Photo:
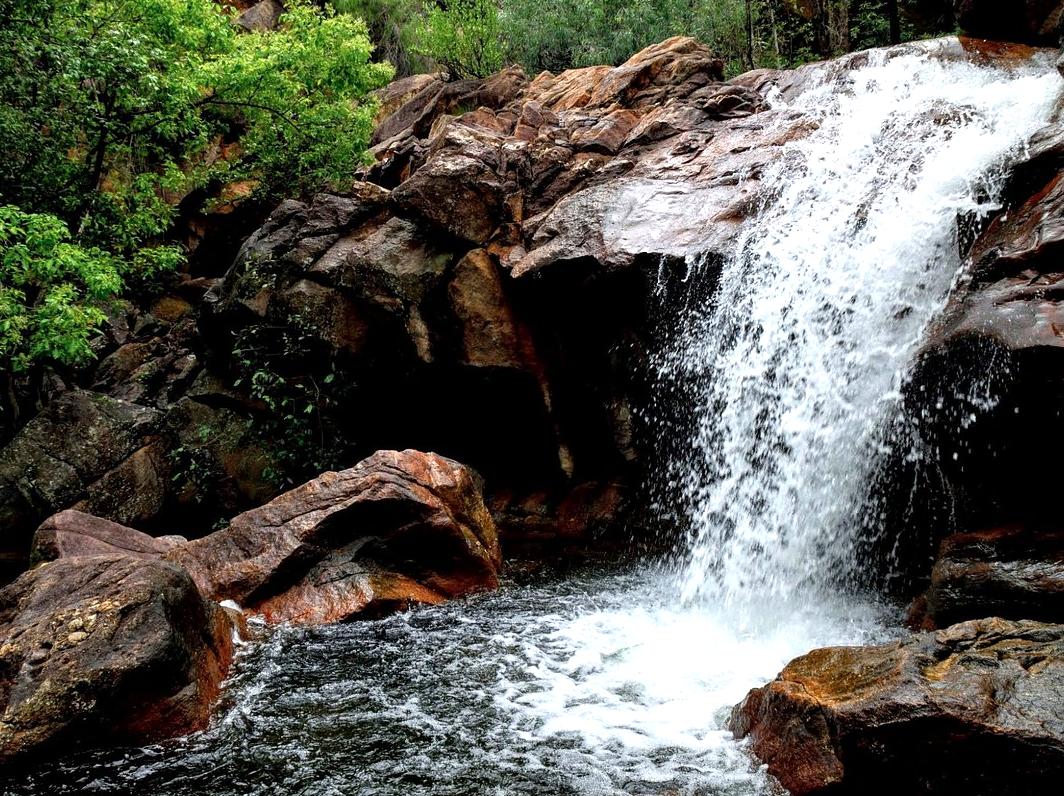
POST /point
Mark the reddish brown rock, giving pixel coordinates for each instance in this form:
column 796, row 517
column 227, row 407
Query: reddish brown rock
column 75, row 533
column 104, row 650
column 263, row 16
column 985, row 392
column 396, row 528
column 937, row 713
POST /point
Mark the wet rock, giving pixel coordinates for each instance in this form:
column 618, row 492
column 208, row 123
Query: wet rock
column 104, row 650
column 84, row 448
column 936, row 713
column 1014, row 573
column 1035, row 21
column 984, row 396
column 397, row 528
column 75, row 533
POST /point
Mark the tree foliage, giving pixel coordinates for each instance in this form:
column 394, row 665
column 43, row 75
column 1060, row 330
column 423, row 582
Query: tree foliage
column 51, row 290
column 463, row 36
column 112, row 110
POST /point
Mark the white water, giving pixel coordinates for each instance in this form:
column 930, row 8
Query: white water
column 622, row 684
column 798, row 362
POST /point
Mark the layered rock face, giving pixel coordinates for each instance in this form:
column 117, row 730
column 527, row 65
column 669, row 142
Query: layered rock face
column 971, row 709
column 104, row 650
column 116, row 637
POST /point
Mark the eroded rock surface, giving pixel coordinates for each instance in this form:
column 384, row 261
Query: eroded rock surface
column 974, row 708
column 104, row 650
column 74, row 533
column 398, row 528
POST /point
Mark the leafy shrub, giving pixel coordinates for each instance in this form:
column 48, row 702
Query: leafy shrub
column 462, row 36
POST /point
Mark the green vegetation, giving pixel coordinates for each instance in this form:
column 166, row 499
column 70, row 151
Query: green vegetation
column 474, row 37
column 464, row 37
column 51, row 290
column 111, row 111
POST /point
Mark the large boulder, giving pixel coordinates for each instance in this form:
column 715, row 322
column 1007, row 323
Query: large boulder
column 104, row 650
column 398, row 528
column 102, row 455
column 937, row 713
column 1034, row 21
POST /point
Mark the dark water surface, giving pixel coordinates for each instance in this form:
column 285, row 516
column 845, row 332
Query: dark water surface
column 594, row 684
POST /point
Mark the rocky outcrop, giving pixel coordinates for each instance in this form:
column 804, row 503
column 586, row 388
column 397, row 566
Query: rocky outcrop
column 88, row 451
column 937, row 713
column 75, row 533
column 262, row 16
column 396, row 529
column 1014, row 573
column 1034, row 21
column 103, row 650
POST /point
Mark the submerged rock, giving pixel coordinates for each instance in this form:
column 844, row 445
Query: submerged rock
column 398, row 528
column 103, row 650
column 974, row 708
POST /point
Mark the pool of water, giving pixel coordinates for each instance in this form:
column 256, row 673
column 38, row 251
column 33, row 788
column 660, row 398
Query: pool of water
column 598, row 683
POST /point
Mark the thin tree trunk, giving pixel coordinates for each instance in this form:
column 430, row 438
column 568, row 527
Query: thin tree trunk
column 750, row 33
column 771, row 5
column 895, row 21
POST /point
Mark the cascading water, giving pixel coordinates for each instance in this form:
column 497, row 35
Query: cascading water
column 620, row 683
column 800, row 357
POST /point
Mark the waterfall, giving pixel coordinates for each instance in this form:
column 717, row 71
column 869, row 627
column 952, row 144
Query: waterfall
column 797, row 361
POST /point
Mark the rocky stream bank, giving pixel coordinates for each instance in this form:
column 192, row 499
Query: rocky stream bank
column 492, row 289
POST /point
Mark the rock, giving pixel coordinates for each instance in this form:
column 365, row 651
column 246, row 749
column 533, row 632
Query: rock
column 1034, row 21
column 1014, row 573
column 936, row 713
column 262, row 16
column 75, row 533
column 86, row 449
column 396, row 528
column 104, row 650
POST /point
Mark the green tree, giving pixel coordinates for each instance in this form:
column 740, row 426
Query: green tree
column 392, row 27
column 52, row 291
column 462, row 36
column 111, row 109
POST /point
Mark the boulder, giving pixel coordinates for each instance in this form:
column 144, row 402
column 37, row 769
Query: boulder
column 1016, row 573
column 84, row 449
column 1034, row 21
column 398, row 528
column 75, row 533
column 936, row 713
column 263, row 16
column 103, row 650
